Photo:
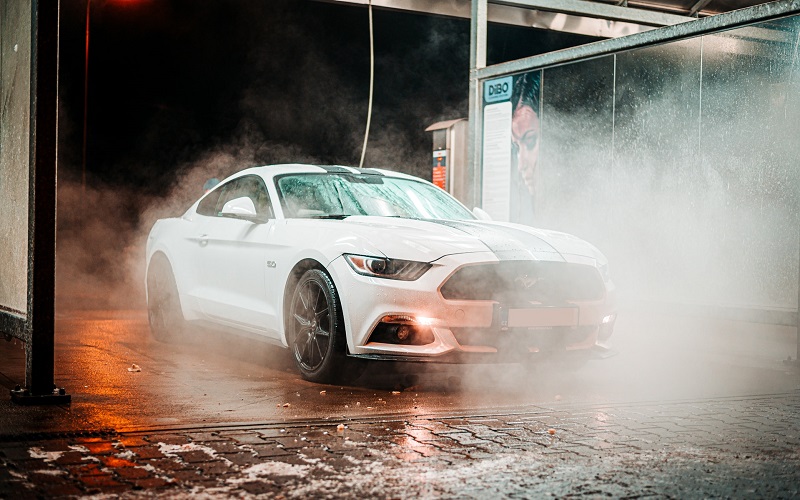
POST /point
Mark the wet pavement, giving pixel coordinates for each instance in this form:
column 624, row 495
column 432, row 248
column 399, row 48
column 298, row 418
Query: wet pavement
column 688, row 407
column 738, row 447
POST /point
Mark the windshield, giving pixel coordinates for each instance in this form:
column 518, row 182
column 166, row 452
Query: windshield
column 342, row 195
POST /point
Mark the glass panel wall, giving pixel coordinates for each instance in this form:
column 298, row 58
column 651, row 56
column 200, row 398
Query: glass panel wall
column 751, row 144
column 682, row 163
column 15, row 105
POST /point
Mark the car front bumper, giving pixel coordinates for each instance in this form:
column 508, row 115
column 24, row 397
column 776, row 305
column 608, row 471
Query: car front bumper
column 463, row 330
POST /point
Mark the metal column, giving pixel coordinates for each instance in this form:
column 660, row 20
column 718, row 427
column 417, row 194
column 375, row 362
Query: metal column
column 477, row 61
column 40, row 324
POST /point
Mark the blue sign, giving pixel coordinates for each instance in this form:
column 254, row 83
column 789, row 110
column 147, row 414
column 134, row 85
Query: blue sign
column 498, row 90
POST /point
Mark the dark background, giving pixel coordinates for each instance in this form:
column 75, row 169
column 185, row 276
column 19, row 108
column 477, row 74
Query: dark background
column 171, row 81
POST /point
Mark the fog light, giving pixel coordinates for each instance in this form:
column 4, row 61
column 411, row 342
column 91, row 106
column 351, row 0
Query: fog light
column 606, row 327
column 390, row 332
column 403, row 332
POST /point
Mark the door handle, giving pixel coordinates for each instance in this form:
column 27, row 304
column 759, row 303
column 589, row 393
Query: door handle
column 203, row 240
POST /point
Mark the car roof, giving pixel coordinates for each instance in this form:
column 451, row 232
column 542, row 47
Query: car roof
column 268, row 171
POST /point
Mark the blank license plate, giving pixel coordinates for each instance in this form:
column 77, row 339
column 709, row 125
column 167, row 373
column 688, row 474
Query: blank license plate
column 543, row 317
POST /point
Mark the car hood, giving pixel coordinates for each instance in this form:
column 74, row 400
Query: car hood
column 429, row 240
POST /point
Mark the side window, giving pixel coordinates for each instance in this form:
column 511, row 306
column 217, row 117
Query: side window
column 230, row 191
column 261, row 199
column 208, row 205
column 250, row 186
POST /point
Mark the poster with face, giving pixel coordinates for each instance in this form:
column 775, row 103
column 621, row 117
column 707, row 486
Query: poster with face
column 511, row 131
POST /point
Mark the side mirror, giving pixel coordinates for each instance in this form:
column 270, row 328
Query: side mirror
column 481, row 214
column 241, row 208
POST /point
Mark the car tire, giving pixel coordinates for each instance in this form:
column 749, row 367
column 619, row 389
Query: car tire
column 163, row 302
column 316, row 331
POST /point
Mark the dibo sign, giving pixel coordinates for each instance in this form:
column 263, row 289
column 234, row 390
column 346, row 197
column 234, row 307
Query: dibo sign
column 498, row 90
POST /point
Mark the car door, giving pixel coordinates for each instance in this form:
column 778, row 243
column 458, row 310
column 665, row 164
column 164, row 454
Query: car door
column 232, row 262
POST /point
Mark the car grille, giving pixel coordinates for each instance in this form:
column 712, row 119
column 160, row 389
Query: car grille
column 512, row 282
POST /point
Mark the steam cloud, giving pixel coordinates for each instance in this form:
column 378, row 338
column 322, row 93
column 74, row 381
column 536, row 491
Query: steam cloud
column 679, row 177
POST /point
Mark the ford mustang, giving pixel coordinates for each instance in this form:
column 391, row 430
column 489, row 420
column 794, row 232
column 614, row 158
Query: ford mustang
column 342, row 265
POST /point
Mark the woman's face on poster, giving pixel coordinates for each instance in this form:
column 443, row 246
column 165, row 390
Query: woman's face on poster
column 525, row 139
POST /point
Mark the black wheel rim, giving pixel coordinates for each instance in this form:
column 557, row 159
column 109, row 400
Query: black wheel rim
column 311, row 318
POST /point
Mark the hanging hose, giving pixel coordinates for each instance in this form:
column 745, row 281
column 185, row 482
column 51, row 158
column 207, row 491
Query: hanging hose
column 371, row 80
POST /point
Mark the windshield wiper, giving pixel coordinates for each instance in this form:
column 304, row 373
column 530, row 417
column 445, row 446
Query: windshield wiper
column 331, row 216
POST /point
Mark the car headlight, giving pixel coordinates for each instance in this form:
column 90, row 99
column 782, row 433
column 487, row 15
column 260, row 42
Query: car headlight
column 380, row 267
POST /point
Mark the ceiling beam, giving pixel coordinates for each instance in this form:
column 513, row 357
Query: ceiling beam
column 600, row 11
column 571, row 16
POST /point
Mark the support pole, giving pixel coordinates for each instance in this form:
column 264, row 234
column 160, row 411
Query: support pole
column 40, row 350
column 477, row 60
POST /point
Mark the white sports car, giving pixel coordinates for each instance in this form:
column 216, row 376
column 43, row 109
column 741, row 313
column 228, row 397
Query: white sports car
column 339, row 263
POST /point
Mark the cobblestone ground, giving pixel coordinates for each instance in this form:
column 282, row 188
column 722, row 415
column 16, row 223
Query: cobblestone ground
column 742, row 447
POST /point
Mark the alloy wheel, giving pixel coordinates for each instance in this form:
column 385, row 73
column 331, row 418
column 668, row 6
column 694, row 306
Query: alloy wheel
column 313, row 328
